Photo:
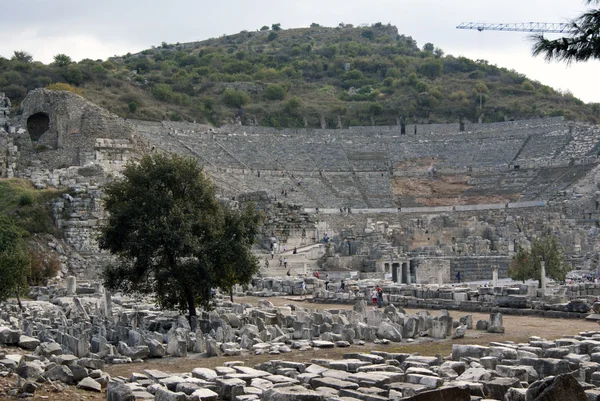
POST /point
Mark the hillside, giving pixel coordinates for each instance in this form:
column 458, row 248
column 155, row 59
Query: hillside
column 300, row 77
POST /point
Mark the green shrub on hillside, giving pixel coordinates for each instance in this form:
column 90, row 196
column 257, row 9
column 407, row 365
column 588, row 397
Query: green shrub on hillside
column 235, row 98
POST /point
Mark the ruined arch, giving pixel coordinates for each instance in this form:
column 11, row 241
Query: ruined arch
column 37, row 125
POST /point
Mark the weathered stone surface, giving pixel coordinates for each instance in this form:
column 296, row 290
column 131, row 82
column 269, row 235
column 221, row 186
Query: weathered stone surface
column 9, row 336
column 30, row 370
column 89, row 385
column 49, row 349
column 204, row 394
column 138, row 352
column 291, row 393
column 60, row 373
column 497, row 388
column 204, row 374
column 496, row 323
column 119, row 392
column 471, row 351
column 167, row 395
column 28, row 343
column 442, row 394
column 387, row 331
column 561, row 387
column 333, row 383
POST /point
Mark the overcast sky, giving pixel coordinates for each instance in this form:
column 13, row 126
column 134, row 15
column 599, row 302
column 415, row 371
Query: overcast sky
column 100, row 29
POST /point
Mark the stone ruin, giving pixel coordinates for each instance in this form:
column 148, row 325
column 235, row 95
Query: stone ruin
column 336, row 197
column 72, row 339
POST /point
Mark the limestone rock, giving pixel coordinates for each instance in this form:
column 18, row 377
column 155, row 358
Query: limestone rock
column 387, row 331
column 562, row 387
column 442, row 394
column 89, row 385
column 28, row 343
column 291, row 393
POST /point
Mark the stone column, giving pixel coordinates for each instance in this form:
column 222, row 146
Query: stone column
column 495, row 277
column 543, row 275
column 71, row 285
column 107, row 304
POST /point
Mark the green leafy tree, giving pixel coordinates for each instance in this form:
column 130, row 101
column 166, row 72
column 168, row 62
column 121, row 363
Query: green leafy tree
column 73, row 75
column 62, row 60
column 236, row 262
column 428, row 47
column 276, row 27
column 581, row 44
column 520, row 269
column 14, row 261
column 264, row 28
column 171, row 236
column 22, row 57
column 528, row 264
column 432, row 68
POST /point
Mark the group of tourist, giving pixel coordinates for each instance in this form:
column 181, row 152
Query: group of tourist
column 377, row 296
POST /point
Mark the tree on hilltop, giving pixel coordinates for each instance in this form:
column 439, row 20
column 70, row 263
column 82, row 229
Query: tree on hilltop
column 581, row 44
column 62, row 60
column 172, row 238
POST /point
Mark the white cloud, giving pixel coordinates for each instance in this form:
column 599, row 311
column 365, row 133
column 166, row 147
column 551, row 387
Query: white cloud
column 77, row 46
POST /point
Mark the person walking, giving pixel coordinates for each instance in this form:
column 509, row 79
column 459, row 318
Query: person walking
column 374, row 297
column 285, row 263
column 379, row 297
column 458, row 277
column 303, row 287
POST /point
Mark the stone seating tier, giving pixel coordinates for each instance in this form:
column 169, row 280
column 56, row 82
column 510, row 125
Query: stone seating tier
column 351, row 168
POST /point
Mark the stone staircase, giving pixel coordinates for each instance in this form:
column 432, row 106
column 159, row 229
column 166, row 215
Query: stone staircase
column 304, row 262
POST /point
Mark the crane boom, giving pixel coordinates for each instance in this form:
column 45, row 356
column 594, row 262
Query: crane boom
column 550, row 27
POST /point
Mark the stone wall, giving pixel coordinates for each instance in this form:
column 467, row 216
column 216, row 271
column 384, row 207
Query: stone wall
column 66, row 129
column 432, row 270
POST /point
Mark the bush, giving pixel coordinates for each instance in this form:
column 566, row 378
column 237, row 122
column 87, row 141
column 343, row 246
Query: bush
column 25, row 199
column 235, row 98
column 62, row 86
column 163, row 92
column 43, row 268
column 274, row 92
column 133, row 106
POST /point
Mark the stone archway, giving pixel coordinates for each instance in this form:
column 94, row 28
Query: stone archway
column 37, row 125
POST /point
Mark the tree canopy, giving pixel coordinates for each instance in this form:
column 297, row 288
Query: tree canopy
column 528, row 264
column 581, row 44
column 14, row 262
column 171, row 236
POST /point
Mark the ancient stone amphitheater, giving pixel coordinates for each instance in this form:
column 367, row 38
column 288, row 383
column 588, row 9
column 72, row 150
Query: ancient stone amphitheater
column 419, row 207
column 364, row 206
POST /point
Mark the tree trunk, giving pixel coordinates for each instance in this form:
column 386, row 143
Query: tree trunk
column 231, row 294
column 191, row 309
column 19, row 298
